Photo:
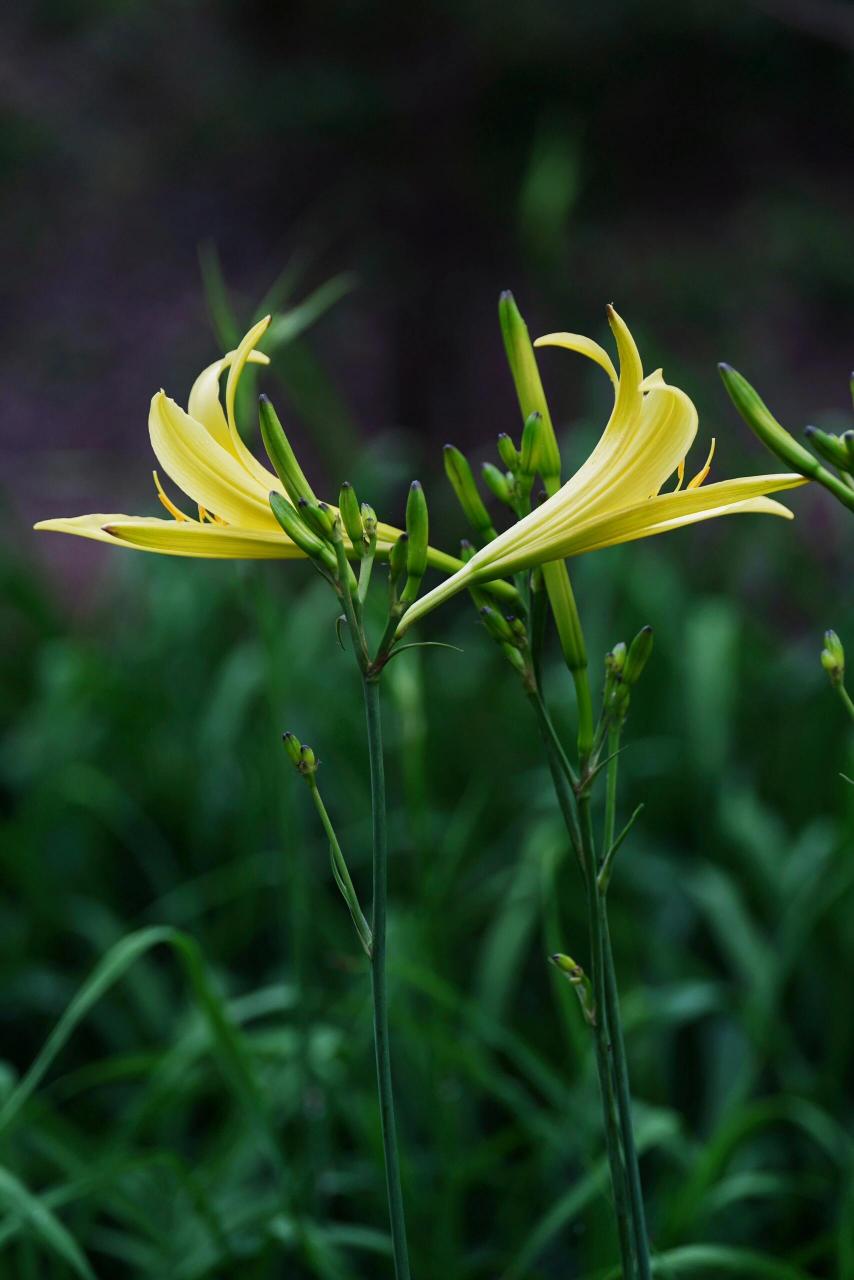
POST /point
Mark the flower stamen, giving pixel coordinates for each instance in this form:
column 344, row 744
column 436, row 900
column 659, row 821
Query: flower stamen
column 167, row 502
column 704, row 471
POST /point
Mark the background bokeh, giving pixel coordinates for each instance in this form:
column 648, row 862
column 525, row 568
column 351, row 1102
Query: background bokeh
column 692, row 164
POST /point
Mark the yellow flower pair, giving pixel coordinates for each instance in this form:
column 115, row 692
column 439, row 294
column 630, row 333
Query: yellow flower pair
column 614, row 497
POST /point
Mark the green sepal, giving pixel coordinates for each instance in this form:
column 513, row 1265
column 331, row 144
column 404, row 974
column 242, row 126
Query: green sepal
column 281, row 454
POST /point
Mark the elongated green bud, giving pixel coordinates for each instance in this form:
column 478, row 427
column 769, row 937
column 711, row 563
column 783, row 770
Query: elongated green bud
column 529, row 388
column 418, row 530
column 463, row 483
column 317, row 516
column 307, row 760
column 293, row 746
column 832, row 448
column 851, row 386
column 848, row 441
column 498, row 482
column 580, row 983
column 508, row 453
column 763, row 424
column 638, row 656
column 530, row 459
column 467, row 550
column 300, row 755
column 351, row 516
column 397, row 558
column 833, row 658
column 281, row 454
column 296, row 529
column 497, row 625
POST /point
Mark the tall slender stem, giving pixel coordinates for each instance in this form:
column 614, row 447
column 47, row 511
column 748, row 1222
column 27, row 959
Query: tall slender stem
column 612, row 998
column 379, row 983
column 562, row 778
column 602, row 1040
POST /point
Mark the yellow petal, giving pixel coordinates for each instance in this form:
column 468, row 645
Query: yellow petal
column 207, row 473
column 205, row 541
column 584, row 346
column 264, row 477
column 204, row 402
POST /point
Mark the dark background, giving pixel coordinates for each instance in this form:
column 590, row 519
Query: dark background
column 690, row 163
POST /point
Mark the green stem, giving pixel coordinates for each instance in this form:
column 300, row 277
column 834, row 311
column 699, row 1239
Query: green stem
column 846, row 699
column 563, row 778
column 621, row 1068
column 602, row 1040
column 379, row 983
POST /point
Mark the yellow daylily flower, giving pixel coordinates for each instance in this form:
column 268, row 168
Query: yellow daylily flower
column 202, row 452
column 615, row 496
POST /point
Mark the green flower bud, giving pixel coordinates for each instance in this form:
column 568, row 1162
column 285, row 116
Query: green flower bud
column 317, row 516
column 397, row 559
column 463, row 483
column 832, row 448
column 281, row 454
column 580, row 983
column 497, row 625
column 293, row 746
column 508, row 453
column 529, row 389
column 534, row 456
column 615, row 661
column 763, row 424
column 498, row 482
column 517, row 626
column 848, row 441
column 467, row 550
column 369, row 520
column 638, row 656
column 418, row 529
column 307, row 760
column 299, row 533
column 833, row 657
column 351, row 516
column 851, row 385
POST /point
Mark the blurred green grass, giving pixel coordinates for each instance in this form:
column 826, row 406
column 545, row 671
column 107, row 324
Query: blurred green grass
column 143, row 785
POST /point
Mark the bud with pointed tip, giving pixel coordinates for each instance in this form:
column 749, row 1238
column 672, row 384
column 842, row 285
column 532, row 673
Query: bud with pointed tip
column 497, row 625
column 299, row 533
column 508, row 453
column 351, row 516
column 317, row 516
column 397, row 559
column 281, row 454
column 833, row 658
column 293, row 746
column 638, row 656
column 369, row 520
column 418, row 529
column 463, row 483
column 615, row 661
column 529, row 389
column 307, row 760
column 498, row 482
column 832, row 448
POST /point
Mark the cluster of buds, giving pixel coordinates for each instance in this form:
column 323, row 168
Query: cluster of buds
column 511, row 634
column 833, row 659
column 300, row 755
column 624, row 666
column 837, row 450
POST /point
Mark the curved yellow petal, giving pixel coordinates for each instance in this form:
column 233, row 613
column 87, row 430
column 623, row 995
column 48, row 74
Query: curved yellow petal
column 204, row 541
column 92, row 526
column 204, row 470
column 204, row 402
column 584, row 346
column 238, row 363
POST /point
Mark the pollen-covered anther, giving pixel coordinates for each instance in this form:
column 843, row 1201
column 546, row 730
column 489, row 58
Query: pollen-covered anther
column 167, row 501
column 705, row 469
